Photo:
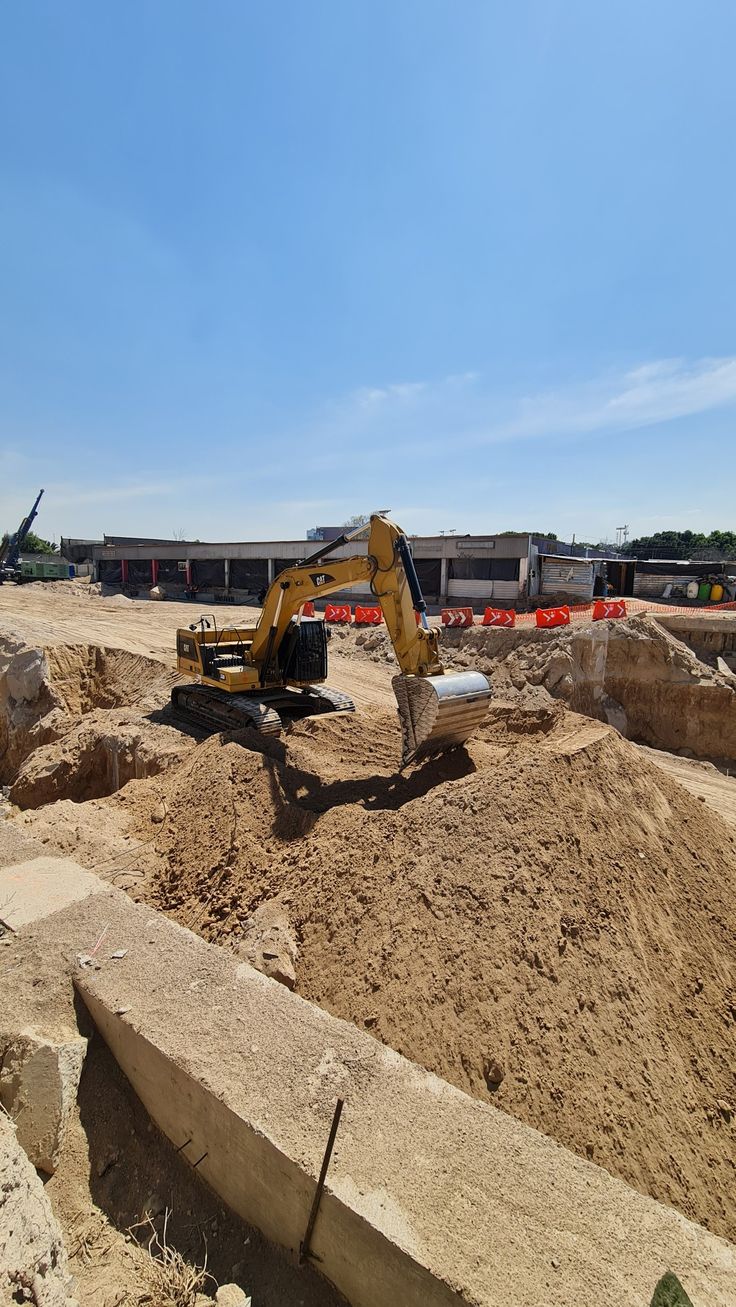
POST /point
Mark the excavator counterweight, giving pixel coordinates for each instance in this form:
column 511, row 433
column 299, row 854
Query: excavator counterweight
column 257, row 676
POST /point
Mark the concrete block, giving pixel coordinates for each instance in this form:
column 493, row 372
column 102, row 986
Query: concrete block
column 432, row 1199
column 39, row 1079
column 34, row 889
column 33, row 1263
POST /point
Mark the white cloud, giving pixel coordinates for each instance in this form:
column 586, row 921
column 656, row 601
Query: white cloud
column 66, row 495
column 464, row 411
column 379, row 444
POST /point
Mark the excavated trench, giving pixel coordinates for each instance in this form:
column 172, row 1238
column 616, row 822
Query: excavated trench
column 79, row 721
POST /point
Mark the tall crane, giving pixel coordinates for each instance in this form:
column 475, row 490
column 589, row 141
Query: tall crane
column 11, row 548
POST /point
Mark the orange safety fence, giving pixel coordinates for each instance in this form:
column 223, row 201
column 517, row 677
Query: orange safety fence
column 338, row 613
column 600, row 609
column 368, row 615
column 584, row 612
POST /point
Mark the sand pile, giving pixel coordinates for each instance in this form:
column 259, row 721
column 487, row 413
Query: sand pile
column 546, row 920
column 74, row 585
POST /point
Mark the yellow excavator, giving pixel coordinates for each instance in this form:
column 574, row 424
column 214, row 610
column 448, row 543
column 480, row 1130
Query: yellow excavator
column 257, row 676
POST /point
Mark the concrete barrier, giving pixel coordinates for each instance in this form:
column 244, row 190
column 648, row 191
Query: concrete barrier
column 431, row 1197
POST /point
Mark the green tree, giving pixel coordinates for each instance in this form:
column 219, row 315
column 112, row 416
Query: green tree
column 541, row 535
column 719, row 545
column 33, row 544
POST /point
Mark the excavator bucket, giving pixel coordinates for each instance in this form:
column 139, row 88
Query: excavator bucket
column 439, row 712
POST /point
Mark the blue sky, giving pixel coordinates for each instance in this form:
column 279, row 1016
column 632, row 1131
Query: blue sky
column 264, row 266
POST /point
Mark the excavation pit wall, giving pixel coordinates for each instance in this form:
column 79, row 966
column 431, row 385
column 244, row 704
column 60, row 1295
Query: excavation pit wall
column 645, row 677
column 652, row 688
column 80, row 721
column 431, row 1198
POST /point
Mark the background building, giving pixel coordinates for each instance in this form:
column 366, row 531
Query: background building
column 507, row 570
column 510, row 570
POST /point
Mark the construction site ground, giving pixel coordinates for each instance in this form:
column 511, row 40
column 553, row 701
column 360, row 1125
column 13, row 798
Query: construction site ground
column 545, row 918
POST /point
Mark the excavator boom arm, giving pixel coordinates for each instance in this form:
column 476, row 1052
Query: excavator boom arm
column 10, row 551
column 387, row 567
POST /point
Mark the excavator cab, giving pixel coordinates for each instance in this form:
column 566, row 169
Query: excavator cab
column 256, row 676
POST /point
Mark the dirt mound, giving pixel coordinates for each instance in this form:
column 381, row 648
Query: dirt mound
column 75, row 585
column 524, row 662
column 544, row 919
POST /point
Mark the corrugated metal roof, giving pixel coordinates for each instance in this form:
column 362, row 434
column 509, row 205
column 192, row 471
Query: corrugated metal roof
column 576, row 558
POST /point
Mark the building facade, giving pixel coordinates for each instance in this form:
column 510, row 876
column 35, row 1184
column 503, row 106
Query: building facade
column 452, row 569
column 512, row 570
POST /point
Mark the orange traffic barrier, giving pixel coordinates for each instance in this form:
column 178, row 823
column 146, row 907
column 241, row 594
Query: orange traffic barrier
column 603, row 608
column 499, row 617
column 457, row 616
column 368, row 615
column 337, row 613
column 308, row 609
column 548, row 617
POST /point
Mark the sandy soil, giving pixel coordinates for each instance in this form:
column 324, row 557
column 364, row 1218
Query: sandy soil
column 715, row 787
column 545, row 919
column 141, row 626
column 509, row 917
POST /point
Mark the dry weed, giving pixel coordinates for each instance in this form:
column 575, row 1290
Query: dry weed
column 86, row 1238
column 173, row 1281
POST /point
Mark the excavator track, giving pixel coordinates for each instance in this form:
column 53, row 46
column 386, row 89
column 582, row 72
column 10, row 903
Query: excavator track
column 326, row 699
column 215, row 710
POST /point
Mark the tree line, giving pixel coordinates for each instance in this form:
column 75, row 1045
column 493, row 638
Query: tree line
column 718, row 545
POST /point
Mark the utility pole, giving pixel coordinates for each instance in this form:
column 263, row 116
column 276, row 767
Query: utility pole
column 622, row 535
